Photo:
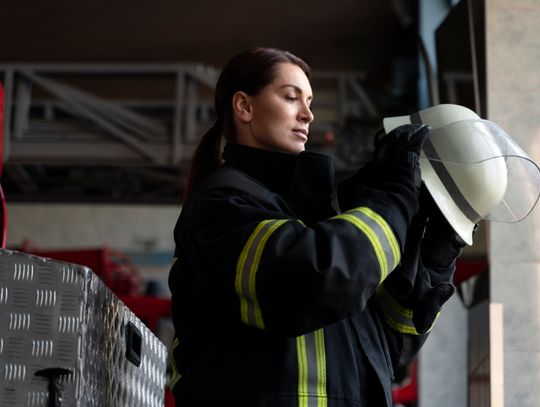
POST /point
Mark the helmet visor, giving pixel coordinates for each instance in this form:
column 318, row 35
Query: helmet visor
column 483, row 170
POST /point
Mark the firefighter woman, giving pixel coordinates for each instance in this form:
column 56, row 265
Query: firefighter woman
column 278, row 298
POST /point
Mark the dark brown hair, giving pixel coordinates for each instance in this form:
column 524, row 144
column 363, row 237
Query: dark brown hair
column 249, row 71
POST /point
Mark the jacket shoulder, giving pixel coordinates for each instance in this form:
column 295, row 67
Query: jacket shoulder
column 231, row 178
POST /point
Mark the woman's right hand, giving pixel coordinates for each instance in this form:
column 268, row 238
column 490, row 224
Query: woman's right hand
column 391, row 178
column 397, row 144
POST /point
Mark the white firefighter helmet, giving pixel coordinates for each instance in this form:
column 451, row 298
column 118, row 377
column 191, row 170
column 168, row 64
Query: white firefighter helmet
column 472, row 168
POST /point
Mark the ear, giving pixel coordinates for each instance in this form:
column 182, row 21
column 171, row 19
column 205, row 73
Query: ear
column 241, row 104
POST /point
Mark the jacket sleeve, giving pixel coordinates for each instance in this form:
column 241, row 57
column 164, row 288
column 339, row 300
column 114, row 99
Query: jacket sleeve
column 286, row 277
column 411, row 299
column 410, row 318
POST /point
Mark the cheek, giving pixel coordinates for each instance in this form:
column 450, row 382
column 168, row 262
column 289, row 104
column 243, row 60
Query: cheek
column 275, row 119
column 284, row 115
column 276, row 116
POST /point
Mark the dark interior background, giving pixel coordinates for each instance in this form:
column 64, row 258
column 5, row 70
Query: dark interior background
column 377, row 38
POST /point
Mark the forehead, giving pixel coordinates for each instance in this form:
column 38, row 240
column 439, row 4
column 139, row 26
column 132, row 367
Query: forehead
column 291, row 74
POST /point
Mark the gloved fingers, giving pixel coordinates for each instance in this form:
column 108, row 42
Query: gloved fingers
column 377, row 139
column 437, row 226
column 417, row 228
column 405, row 274
column 415, row 232
column 412, row 134
column 425, row 200
column 425, row 310
column 402, row 147
column 410, row 137
column 438, row 229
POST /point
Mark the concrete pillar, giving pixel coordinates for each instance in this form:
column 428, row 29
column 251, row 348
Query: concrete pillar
column 443, row 360
column 513, row 102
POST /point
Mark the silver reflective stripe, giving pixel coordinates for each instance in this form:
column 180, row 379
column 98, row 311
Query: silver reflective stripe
column 246, row 271
column 380, row 235
column 397, row 317
column 311, row 356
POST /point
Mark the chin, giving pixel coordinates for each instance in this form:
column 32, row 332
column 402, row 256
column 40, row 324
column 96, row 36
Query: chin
column 296, row 148
column 292, row 148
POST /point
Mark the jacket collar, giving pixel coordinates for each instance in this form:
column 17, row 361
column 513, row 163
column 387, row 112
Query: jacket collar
column 303, row 176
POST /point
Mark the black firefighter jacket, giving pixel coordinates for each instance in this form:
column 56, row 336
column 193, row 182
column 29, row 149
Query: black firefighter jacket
column 277, row 299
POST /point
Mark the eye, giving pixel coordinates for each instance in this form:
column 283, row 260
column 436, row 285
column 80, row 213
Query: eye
column 291, row 98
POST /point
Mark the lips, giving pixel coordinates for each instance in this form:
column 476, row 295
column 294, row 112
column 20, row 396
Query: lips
column 301, row 132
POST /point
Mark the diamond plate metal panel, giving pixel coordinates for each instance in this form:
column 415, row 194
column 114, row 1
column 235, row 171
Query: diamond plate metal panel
column 61, row 315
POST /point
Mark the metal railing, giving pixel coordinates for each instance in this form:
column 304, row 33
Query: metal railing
column 141, row 119
column 97, row 128
column 53, row 114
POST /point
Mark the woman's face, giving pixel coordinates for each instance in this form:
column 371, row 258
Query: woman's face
column 281, row 113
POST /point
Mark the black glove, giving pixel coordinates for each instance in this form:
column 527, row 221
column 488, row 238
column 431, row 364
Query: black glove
column 401, row 281
column 402, row 146
column 396, row 155
column 395, row 146
column 392, row 177
column 442, row 245
column 423, row 279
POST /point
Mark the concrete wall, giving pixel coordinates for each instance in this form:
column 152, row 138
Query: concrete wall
column 513, row 91
column 443, row 360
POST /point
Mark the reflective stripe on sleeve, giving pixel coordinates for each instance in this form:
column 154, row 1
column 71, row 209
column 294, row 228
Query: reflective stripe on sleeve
column 379, row 234
column 246, row 271
column 311, row 359
column 175, row 376
column 399, row 318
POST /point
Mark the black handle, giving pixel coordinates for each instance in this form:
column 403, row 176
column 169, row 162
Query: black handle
column 53, row 375
column 133, row 344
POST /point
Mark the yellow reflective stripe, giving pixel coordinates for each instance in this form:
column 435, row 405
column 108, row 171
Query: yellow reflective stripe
column 398, row 317
column 175, row 376
column 390, row 236
column 379, row 251
column 311, row 358
column 302, row 371
column 380, row 235
column 241, row 270
column 246, row 271
column 321, row 368
column 398, row 309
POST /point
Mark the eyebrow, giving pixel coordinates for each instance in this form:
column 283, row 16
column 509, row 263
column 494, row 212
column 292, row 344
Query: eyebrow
column 297, row 88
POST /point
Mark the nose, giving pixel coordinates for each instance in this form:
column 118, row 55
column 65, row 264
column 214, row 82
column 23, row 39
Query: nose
column 306, row 115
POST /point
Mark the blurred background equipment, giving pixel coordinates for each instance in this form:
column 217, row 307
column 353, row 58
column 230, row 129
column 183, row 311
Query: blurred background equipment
column 113, row 267
column 126, row 132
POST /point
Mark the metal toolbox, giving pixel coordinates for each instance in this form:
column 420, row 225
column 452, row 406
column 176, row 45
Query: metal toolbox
column 88, row 349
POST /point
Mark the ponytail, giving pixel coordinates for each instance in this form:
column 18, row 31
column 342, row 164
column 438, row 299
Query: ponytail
column 206, row 159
